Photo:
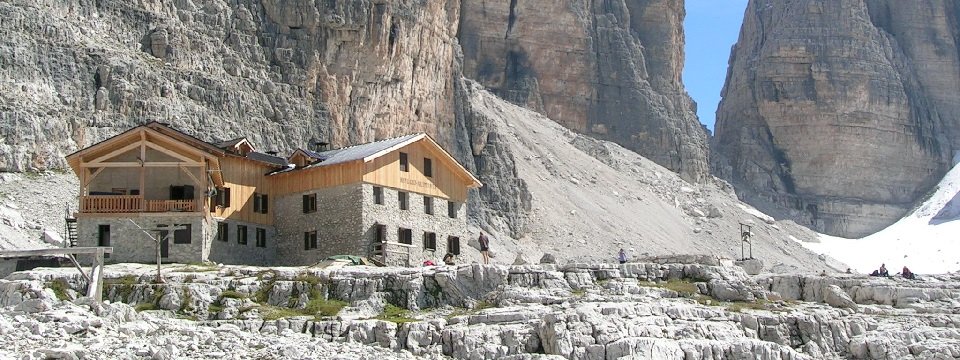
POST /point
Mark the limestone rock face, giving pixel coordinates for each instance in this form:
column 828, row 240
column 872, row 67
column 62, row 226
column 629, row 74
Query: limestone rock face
column 843, row 113
column 611, row 69
column 279, row 72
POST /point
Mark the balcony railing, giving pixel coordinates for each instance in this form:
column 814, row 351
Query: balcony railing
column 133, row 203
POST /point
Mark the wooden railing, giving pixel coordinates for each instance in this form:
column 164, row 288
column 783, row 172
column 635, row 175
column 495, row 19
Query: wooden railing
column 111, row 203
column 133, row 203
column 171, row 205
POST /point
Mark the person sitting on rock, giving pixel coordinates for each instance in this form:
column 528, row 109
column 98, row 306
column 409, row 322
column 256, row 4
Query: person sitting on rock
column 883, row 270
column 907, row 274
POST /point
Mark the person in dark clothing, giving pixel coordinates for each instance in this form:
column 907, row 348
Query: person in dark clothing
column 907, row 274
column 622, row 256
column 883, row 270
column 448, row 259
column 484, row 247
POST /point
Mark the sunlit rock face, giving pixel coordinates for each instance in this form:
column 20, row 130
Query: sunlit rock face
column 843, row 113
column 610, row 69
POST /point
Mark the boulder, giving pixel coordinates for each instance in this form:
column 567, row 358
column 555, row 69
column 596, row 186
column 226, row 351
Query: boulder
column 548, row 258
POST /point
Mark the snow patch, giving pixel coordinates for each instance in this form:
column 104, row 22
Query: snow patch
column 926, row 240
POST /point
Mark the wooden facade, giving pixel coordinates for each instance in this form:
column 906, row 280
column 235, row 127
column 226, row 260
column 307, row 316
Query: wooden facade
column 445, row 181
column 138, row 171
column 244, row 178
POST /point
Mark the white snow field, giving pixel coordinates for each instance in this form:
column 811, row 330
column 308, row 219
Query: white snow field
column 927, row 240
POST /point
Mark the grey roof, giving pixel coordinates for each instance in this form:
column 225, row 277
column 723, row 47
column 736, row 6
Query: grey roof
column 267, row 158
column 358, row 152
column 229, row 143
column 351, row 153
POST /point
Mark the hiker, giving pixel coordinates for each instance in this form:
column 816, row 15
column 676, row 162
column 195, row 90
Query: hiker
column 883, row 270
column 622, row 256
column 448, row 259
column 484, row 247
column 907, row 274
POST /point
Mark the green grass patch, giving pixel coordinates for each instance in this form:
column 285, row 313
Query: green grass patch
column 123, row 285
column 274, row 313
column 318, row 306
column 233, row 294
column 214, row 308
column 483, row 304
column 146, row 306
column 59, row 287
column 395, row 314
column 311, row 279
column 739, row 306
column 578, row 292
column 263, row 294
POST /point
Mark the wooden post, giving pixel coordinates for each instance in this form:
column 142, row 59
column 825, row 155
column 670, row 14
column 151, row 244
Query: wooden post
column 143, row 160
column 95, row 289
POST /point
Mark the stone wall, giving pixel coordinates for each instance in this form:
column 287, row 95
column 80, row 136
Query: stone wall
column 336, row 221
column 130, row 244
column 415, row 219
column 232, row 252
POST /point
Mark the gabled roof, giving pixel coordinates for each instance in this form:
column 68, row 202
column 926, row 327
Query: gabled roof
column 361, row 152
column 369, row 151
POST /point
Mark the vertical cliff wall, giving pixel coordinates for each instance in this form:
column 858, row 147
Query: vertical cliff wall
column 841, row 112
column 280, row 72
column 610, row 69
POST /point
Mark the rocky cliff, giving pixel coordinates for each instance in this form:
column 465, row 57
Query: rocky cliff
column 609, row 69
column 280, row 72
column 844, row 113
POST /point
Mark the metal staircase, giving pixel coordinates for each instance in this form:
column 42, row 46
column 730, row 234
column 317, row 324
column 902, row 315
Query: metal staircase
column 70, row 230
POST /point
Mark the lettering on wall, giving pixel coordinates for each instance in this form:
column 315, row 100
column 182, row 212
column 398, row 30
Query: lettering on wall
column 417, row 183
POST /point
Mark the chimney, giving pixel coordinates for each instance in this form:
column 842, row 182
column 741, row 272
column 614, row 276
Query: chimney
column 319, row 145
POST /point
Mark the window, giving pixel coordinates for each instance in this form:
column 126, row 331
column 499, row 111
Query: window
column 222, row 198
column 403, row 197
column 378, row 195
column 309, row 203
column 380, row 233
column 427, row 167
column 429, row 241
column 242, row 234
column 103, row 236
column 404, row 164
column 261, row 237
column 119, row 191
column 260, row 203
column 428, row 205
column 184, row 192
column 452, row 209
column 182, row 236
column 453, row 245
column 223, row 231
column 406, row 236
column 310, row 240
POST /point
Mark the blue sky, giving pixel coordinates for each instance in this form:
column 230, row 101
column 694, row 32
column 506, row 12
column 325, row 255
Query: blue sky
column 711, row 28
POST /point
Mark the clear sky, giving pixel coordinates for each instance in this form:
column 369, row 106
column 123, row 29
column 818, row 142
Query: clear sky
column 711, row 28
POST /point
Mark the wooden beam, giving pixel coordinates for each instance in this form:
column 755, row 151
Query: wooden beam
column 143, row 169
column 169, row 152
column 150, row 164
column 89, row 179
column 56, row 251
column 114, row 153
column 194, row 178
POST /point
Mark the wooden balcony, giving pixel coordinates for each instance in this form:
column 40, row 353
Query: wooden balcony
column 134, row 204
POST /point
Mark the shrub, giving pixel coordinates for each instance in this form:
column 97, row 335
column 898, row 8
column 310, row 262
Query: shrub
column 59, row 287
column 233, row 294
column 146, row 306
column 395, row 314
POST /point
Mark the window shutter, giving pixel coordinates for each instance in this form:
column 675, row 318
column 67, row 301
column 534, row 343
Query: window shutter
column 226, row 197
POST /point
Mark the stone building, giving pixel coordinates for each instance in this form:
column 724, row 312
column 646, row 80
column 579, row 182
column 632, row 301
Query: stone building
column 397, row 201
